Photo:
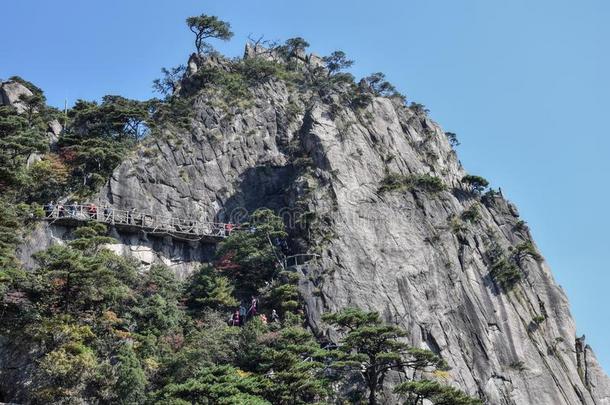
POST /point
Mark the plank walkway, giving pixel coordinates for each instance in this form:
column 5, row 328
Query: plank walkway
column 134, row 222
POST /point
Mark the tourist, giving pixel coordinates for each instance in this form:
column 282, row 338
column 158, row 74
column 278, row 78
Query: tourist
column 242, row 313
column 274, row 316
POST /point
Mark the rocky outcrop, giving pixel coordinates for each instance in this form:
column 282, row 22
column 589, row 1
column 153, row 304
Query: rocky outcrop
column 11, row 93
column 182, row 256
column 415, row 255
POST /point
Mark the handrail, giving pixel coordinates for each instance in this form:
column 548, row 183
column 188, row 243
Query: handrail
column 299, row 259
column 147, row 222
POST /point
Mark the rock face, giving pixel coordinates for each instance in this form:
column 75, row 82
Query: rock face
column 11, row 92
column 411, row 254
column 183, row 257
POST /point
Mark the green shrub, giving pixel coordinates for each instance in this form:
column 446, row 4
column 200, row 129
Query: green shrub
column 400, row 182
column 538, row 319
column 476, row 184
column 452, row 138
column 489, row 198
column 526, row 249
column 232, row 85
column 472, row 214
column 505, row 273
column 416, row 391
column 418, row 108
column 259, row 70
column 457, row 225
column 520, row 226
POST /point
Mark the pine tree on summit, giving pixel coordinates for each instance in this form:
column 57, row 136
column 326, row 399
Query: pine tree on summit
column 208, row 26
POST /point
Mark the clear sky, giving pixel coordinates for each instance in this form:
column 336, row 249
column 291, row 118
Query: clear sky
column 523, row 83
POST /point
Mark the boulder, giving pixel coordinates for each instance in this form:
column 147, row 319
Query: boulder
column 11, row 93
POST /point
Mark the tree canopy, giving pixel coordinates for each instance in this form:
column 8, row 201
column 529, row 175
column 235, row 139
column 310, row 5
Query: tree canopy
column 373, row 348
column 208, row 26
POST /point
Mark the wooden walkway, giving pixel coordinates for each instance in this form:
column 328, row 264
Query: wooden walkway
column 134, row 222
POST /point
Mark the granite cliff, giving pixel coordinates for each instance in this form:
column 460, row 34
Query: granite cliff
column 377, row 193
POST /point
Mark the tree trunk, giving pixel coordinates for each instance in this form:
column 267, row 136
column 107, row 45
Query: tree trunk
column 372, row 383
column 372, row 396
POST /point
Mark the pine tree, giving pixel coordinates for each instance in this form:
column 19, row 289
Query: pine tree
column 130, row 386
column 373, row 348
column 208, row 289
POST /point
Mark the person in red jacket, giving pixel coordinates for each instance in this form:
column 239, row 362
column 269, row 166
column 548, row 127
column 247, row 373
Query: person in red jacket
column 92, row 211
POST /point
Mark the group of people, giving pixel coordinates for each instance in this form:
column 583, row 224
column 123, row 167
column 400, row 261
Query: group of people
column 90, row 211
column 241, row 315
column 70, row 210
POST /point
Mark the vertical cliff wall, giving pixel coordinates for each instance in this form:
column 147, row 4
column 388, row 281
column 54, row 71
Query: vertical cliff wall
column 420, row 256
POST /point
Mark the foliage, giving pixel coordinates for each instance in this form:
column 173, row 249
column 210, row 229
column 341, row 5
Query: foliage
column 222, row 384
column 116, row 118
column 130, row 386
column 158, row 310
column 471, row 214
column 208, row 289
column 524, row 250
column 252, row 257
column 29, row 85
column 538, row 319
column 418, row 108
column 505, row 273
column 294, row 46
column 452, row 138
column 373, row 348
column 415, row 392
column 293, row 361
column 208, row 26
column 476, row 184
column 400, row 182
column 380, row 86
column 21, row 135
column 48, row 178
column 100, row 136
column 260, row 70
column 65, row 371
column 336, row 62
column 170, row 82
column 231, row 86
column 520, row 226
column 209, row 342
column 9, row 238
column 489, row 197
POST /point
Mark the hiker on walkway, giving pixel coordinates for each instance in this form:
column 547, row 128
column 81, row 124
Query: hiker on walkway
column 92, row 211
column 229, row 228
column 131, row 216
column 253, row 306
column 243, row 312
column 61, row 212
column 72, row 209
column 48, row 208
column 235, row 319
column 274, row 316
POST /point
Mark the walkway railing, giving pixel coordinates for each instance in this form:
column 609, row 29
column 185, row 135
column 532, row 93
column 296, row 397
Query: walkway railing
column 72, row 214
column 299, row 260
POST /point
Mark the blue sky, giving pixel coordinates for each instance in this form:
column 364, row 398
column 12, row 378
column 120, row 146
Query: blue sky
column 523, row 83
